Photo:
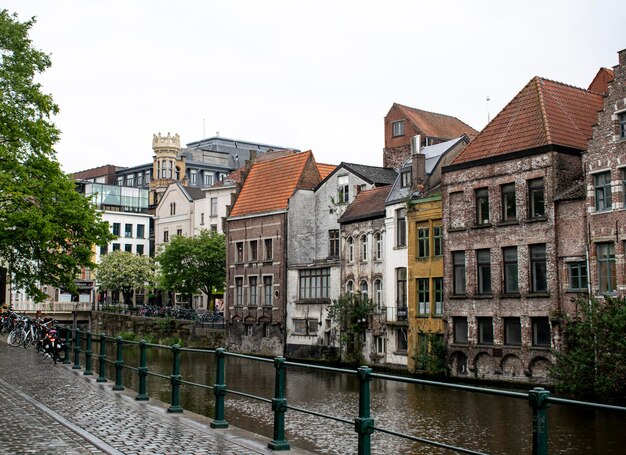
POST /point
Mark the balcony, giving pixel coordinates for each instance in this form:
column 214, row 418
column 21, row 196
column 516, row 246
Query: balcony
column 392, row 314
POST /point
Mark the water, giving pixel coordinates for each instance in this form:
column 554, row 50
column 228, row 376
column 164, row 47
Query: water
column 471, row 420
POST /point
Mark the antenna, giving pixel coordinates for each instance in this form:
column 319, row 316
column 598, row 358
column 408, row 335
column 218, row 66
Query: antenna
column 488, row 114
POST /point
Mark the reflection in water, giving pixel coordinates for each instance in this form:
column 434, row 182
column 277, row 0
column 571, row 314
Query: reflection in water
column 471, row 420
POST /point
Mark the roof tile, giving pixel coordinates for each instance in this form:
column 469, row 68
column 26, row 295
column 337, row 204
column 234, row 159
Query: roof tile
column 437, row 125
column 367, row 204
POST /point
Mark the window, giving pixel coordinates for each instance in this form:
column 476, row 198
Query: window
column 350, row 249
column 130, row 180
column 405, row 179
column 267, row 290
column 239, row 249
column 539, row 282
column 397, row 128
column 140, row 179
column 140, row 250
column 622, row 125
column 194, row 176
column 482, row 206
column 128, row 247
column 128, row 230
column 380, row 345
column 252, row 291
column 248, row 330
column 116, row 247
column 305, row 326
column 624, row 186
column 458, row 272
column 401, row 227
column 214, row 227
column 602, row 185
column 401, row 340
column 314, row 283
column 104, row 249
column 343, row 190
column 509, row 209
column 541, row 332
column 166, row 236
column 438, row 241
column 460, row 329
column 438, row 291
column 606, row 267
column 364, row 248
column 423, row 242
column 364, row 289
column 266, row 330
column 536, row 200
column 483, row 265
column 239, row 291
column 333, row 243
column 208, row 178
column 253, row 250
column 378, row 246
column 147, row 176
column 349, row 287
column 213, row 206
column 401, row 287
column 179, row 232
column 485, row 330
column 512, row 331
column 577, row 276
column 378, row 294
column 116, row 229
column 141, row 231
column 509, row 256
column 423, row 297
column 268, row 254
column 120, row 180
column 202, row 219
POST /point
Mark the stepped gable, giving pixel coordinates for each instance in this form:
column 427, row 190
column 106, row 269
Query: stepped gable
column 271, row 183
column 437, row 125
column 367, row 204
column 543, row 113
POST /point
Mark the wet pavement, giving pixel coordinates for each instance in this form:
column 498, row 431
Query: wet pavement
column 48, row 409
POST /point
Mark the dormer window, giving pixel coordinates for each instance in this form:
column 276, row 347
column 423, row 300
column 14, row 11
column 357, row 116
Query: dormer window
column 397, row 128
column 343, row 190
column 405, row 179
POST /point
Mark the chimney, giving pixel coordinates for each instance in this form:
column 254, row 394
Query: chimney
column 418, row 162
column 622, row 57
column 252, row 156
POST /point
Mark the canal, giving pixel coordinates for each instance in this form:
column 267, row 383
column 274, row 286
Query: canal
column 471, row 420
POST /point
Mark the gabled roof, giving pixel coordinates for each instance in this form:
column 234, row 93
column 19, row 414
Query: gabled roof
column 374, row 175
column 437, row 125
column 271, row 183
column 543, row 113
column 325, row 169
column 192, row 193
column 366, row 205
column 600, row 83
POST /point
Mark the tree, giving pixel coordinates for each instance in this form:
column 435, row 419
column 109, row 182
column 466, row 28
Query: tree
column 125, row 272
column 593, row 363
column 192, row 264
column 47, row 229
column 352, row 312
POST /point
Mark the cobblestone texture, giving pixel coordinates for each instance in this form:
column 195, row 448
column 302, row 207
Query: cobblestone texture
column 102, row 415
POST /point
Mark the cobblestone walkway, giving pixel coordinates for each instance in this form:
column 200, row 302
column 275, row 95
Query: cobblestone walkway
column 49, row 409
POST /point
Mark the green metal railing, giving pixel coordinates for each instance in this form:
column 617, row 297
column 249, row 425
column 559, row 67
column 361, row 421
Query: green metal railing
column 364, row 425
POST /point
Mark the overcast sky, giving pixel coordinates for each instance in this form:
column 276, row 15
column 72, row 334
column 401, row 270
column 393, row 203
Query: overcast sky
column 318, row 75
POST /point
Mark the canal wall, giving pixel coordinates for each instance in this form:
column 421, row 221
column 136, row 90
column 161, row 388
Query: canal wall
column 191, row 333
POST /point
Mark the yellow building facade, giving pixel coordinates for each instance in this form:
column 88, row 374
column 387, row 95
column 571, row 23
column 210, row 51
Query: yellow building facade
column 425, row 281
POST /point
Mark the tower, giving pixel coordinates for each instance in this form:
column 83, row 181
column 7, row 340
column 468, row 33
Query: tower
column 168, row 166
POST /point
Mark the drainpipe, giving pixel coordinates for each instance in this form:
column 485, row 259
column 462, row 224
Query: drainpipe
column 284, row 282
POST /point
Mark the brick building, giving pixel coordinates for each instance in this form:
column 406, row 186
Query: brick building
column 605, row 166
column 256, row 257
column 403, row 123
column 506, row 236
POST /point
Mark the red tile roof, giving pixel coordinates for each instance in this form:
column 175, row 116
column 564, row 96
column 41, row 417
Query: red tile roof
column 325, row 169
column 437, row 125
column 271, row 183
column 367, row 204
column 543, row 113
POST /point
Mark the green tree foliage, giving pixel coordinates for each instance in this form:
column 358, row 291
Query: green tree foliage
column 192, row 264
column 125, row 272
column 47, row 229
column 432, row 355
column 352, row 312
column 593, row 363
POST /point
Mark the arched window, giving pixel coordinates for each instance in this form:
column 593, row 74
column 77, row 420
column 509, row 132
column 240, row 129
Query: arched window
column 378, row 246
column 364, row 288
column 350, row 287
column 378, row 294
column 350, row 249
column 364, row 248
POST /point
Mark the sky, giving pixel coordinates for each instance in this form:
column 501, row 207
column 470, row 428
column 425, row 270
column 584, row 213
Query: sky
column 311, row 75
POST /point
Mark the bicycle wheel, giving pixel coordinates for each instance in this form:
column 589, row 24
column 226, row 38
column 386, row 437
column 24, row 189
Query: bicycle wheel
column 28, row 340
column 16, row 337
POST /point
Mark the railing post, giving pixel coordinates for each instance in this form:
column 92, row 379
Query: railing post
column 364, row 424
column 176, row 380
column 88, row 353
column 279, row 406
column 143, row 372
column 119, row 365
column 76, row 350
column 219, row 390
column 102, row 357
column 67, row 346
column 538, row 398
